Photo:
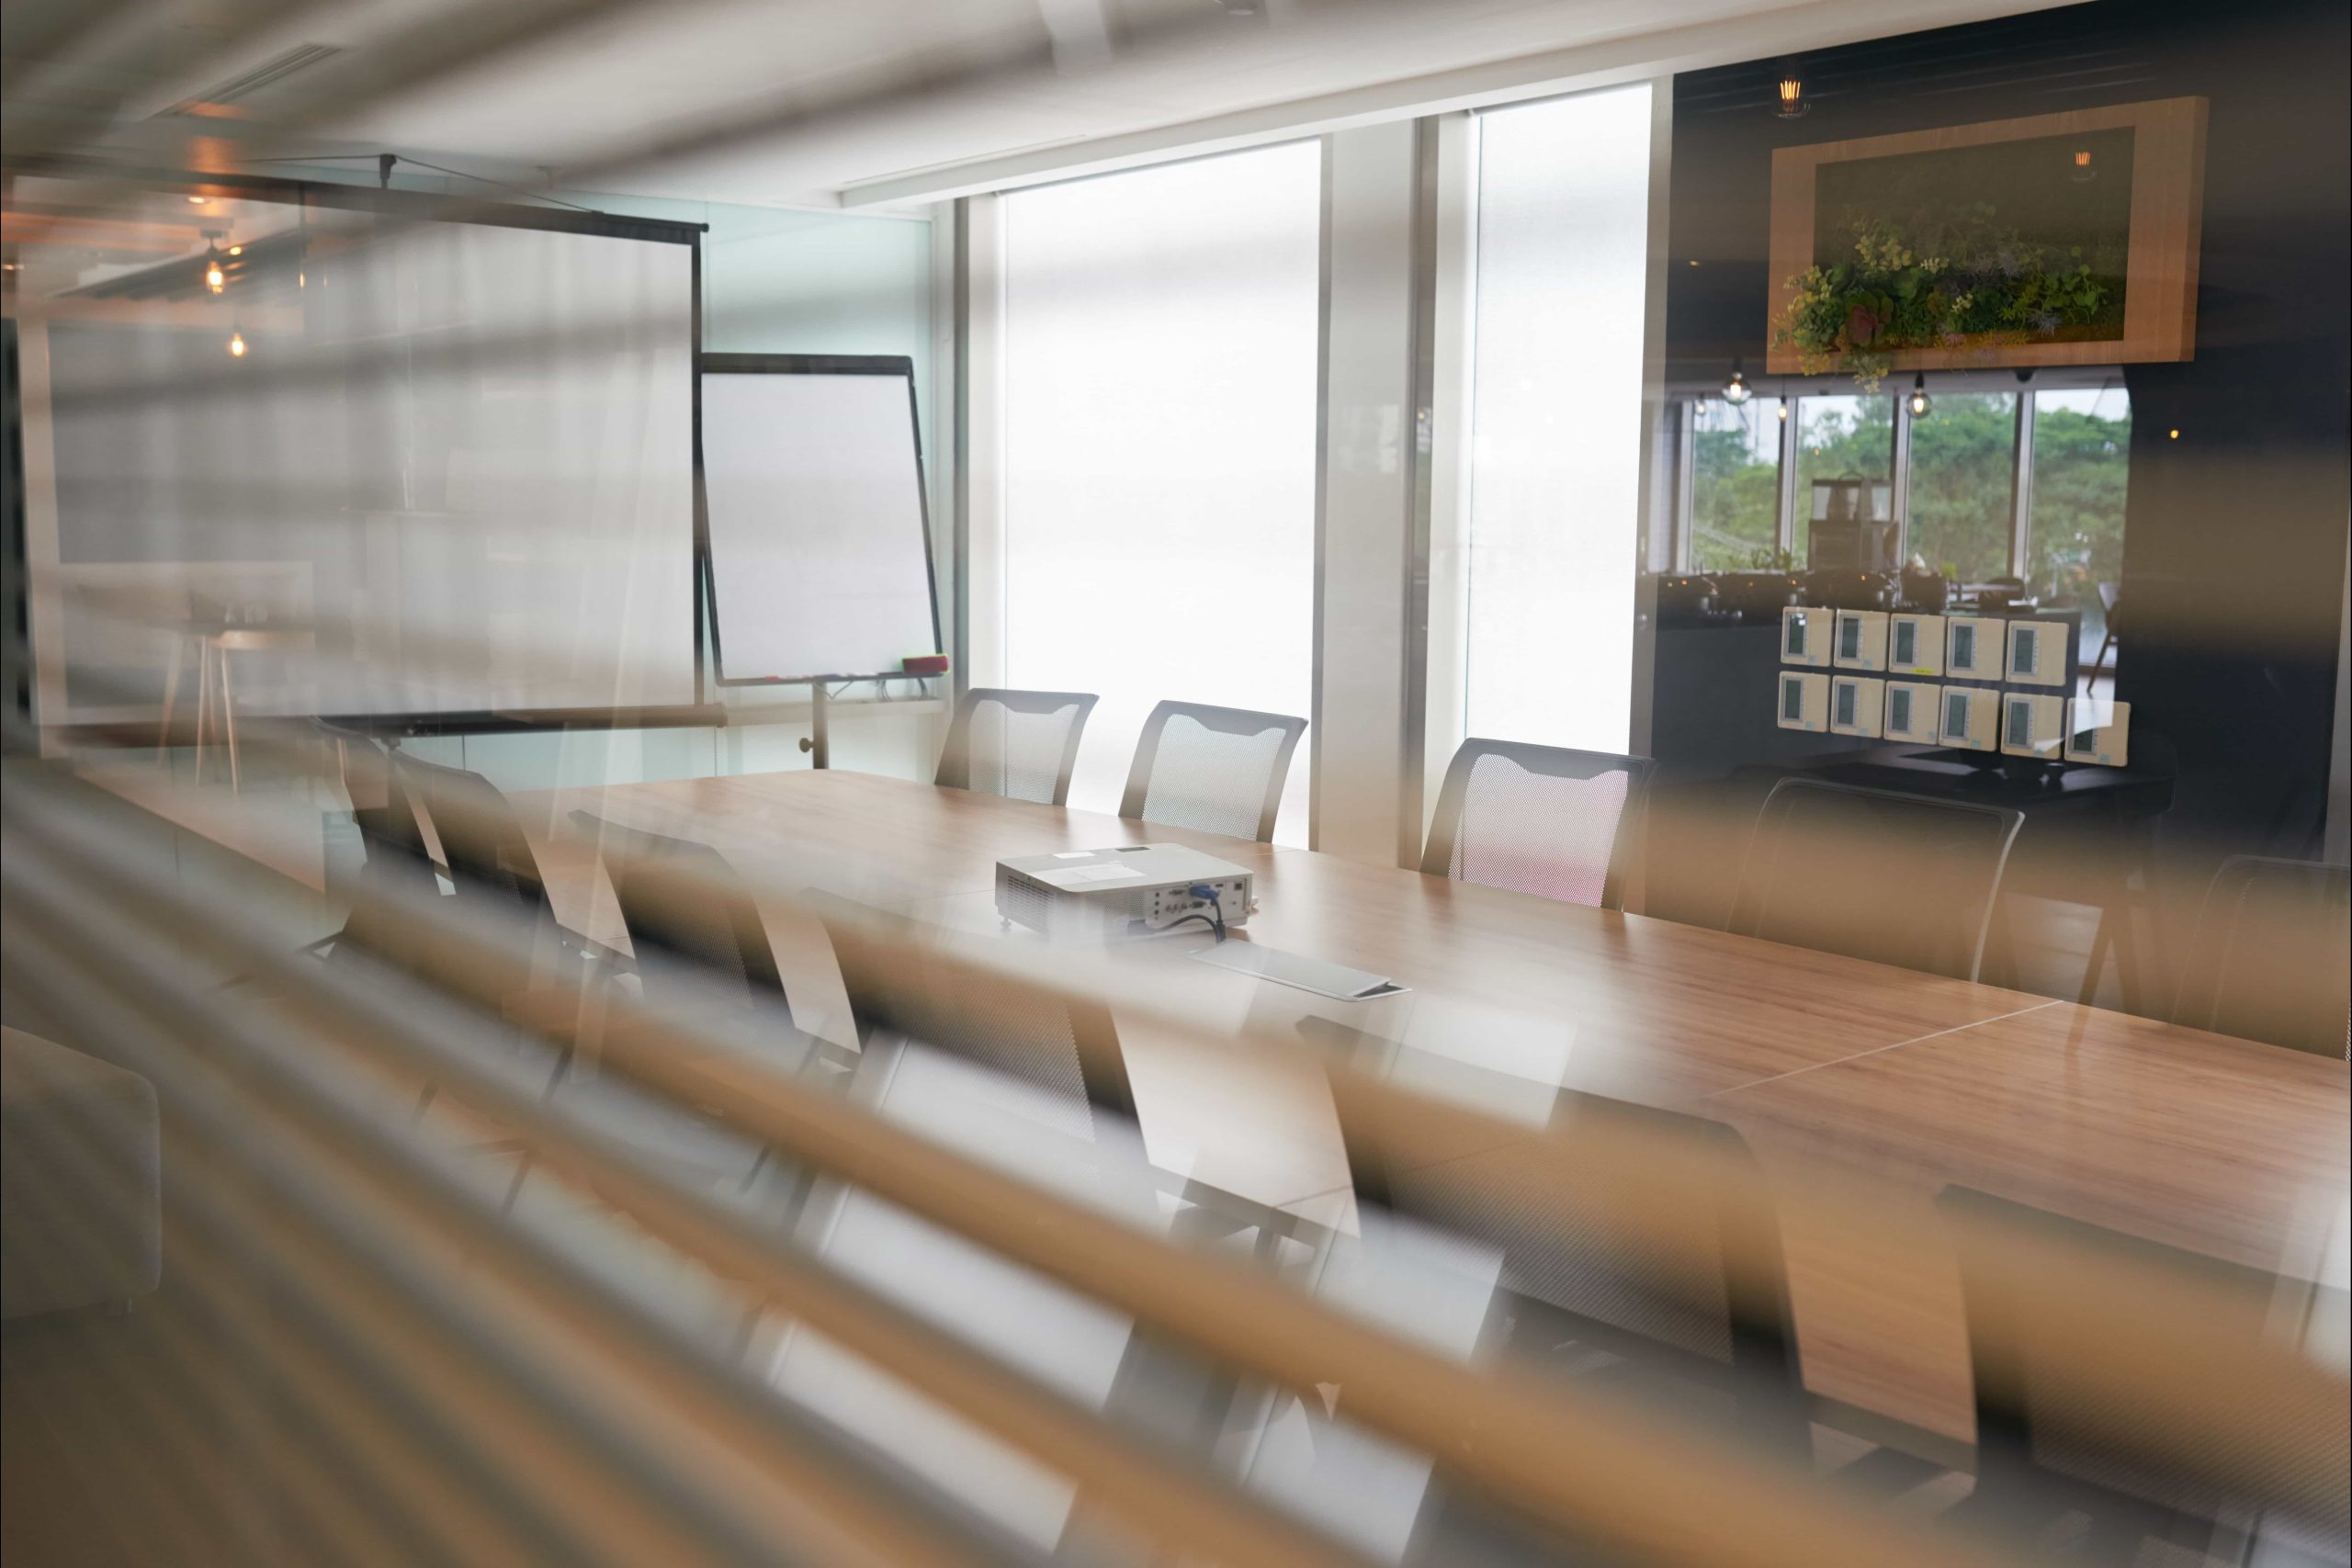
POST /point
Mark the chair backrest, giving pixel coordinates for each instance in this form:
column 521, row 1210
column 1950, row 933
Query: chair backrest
column 695, row 931
column 395, row 866
column 1021, row 745
column 1650, row 1231
column 898, row 981
column 1896, row 878
column 1540, row 820
column 483, row 843
column 2270, row 959
column 2112, row 1372
column 1219, row 770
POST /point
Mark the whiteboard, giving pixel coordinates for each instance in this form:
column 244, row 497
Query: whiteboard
column 819, row 548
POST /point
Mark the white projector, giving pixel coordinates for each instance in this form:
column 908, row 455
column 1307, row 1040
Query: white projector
column 1134, row 890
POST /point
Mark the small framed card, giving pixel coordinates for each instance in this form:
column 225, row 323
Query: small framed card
column 1803, row 702
column 1805, row 635
column 1857, row 702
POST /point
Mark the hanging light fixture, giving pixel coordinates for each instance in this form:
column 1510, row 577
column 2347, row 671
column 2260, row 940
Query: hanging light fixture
column 1735, row 390
column 236, row 342
column 2084, row 172
column 1793, row 103
column 1919, row 403
column 214, row 278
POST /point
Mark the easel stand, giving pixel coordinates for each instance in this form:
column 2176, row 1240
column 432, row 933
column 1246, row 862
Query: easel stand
column 818, row 742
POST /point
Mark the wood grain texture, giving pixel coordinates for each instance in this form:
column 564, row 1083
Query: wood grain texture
column 2168, row 205
column 1863, row 1089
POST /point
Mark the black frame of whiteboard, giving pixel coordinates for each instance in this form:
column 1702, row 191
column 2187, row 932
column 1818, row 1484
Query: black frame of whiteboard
column 706, row 575
column 427, row 206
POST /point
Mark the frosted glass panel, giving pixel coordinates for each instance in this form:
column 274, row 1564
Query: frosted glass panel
column 1160, row 333
column 1556, row 410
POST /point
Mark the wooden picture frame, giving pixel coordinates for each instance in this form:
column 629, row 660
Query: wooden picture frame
column 2167, row 199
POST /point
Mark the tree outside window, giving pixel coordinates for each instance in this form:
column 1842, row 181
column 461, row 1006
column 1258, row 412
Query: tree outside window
column 1963, row 457
column 2082, row 450
column 1838, row 437
column 1735, row 483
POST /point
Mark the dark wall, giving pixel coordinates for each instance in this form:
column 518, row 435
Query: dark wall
column 2235, row 531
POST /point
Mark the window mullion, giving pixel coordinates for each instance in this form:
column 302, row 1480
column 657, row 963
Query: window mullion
column 2022, row 488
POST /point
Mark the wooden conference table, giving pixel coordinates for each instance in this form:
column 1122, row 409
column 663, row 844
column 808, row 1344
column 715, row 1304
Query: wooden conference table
column 1861, row 1088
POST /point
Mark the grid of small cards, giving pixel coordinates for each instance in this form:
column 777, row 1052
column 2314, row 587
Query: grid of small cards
column 1975, row 682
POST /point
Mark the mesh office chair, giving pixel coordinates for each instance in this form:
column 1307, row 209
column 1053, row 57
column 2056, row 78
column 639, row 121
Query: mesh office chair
column 489, row 859
column 694, row 932
column 1645, row 1236
column 897, row 984
column 2232, row 1427
column 1219, row 770
column 1540, row 820
column 700, row 950
column 395, row 864
column 1021, row 745
column 2269, row 961
column 492, row 869
column 1874, row 874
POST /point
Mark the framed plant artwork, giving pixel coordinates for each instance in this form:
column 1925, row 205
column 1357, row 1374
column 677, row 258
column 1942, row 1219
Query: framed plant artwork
column 2061, row 239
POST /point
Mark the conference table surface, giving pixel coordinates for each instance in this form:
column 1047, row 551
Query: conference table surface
column 1863, row 1089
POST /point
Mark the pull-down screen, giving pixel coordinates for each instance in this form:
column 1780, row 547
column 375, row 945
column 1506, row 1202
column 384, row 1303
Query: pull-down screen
column 406, row 467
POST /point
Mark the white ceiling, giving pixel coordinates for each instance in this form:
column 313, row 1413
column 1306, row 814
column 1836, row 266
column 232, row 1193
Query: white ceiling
column 827, row 103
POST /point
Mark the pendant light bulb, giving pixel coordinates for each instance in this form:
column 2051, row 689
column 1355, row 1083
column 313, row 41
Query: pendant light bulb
column 236, row 344
column 1920, row 404
column 214, row 278
column 1735, row 390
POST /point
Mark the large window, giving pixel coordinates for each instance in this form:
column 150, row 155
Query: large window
column 1838, row 437
column 1956, row 470
column 2082, row 445
column 1160, row 387
column 1734, row 483
column 1557, row 409
column 1962, row 485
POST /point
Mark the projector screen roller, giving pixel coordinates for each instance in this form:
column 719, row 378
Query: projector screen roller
column 446, row 465
column 819, row 548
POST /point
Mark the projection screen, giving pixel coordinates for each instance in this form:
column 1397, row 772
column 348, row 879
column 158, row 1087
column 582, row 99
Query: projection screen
column 448, row 464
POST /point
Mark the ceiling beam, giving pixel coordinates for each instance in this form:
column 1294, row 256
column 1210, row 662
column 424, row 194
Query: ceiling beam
column 1796, row 28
